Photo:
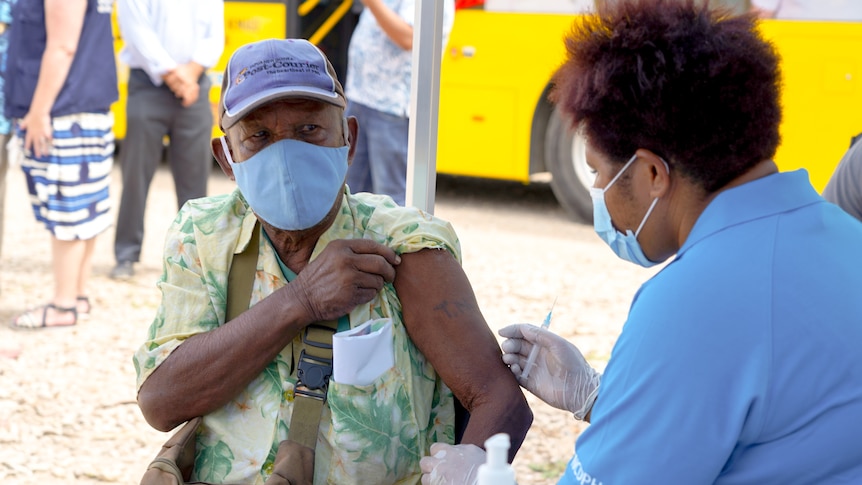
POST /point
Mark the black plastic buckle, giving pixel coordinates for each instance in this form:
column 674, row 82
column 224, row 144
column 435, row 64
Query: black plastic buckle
column 319, row 345
column 313, row 373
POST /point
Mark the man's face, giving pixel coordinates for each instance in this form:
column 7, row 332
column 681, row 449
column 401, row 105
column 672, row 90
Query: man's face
column 305, row 120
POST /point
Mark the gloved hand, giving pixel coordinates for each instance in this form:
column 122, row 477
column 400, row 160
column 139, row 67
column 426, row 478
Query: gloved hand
column 560, row 375
column 452, row 464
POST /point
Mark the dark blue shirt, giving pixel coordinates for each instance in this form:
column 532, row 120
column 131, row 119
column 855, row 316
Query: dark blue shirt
column 5, row 21
column 91, row 85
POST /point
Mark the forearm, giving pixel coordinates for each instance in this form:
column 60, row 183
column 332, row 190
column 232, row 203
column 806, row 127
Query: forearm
column 189, row 72
column 443, row 319
column 210, row 369
column 395, row 27
column 56, row 63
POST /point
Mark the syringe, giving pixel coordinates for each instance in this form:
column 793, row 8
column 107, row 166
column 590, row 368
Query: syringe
column 531, row 359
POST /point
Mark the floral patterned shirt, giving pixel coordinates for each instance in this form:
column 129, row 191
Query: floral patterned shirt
column 368, row 434
column 378, row 70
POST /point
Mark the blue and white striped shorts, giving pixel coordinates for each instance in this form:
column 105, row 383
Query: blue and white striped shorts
column 69, row 186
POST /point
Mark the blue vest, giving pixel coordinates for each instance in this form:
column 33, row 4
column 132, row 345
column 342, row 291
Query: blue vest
column 91, row 85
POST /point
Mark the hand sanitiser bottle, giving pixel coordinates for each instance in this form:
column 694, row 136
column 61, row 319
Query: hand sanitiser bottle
column 496, row 469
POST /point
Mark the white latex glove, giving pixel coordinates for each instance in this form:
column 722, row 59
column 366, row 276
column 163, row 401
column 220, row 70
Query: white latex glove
column 560, row 375
column 452, row 464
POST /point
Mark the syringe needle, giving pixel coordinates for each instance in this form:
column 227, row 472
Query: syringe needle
column 534, row 352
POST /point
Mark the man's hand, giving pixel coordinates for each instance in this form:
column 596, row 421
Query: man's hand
column 560, row 375
column 452, row 464
column 183, row 82
column 346, row 274
column 39, row 133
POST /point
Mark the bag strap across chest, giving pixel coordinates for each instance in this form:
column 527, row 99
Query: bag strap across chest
column 314, row 350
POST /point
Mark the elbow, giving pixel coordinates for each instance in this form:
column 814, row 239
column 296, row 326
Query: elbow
column 518, row 417
column 64, row 51
column 153, row 411
column 504, row 409
column 522, row 417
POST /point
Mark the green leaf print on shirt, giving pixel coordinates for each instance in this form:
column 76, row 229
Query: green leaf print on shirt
column 213, row 463
column 410, row 228
column 374, row 433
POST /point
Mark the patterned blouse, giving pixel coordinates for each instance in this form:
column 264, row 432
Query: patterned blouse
column 368, row 434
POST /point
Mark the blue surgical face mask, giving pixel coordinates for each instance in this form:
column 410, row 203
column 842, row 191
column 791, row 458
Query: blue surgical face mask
column 626, row 245
column 291, row 184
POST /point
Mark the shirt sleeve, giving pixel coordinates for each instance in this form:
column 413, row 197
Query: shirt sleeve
column 138, row 35
column 410, row 230
column 186, row 307
column 210, row 47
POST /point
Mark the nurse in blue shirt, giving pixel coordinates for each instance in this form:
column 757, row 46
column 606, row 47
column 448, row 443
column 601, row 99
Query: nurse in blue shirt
column 740, row 360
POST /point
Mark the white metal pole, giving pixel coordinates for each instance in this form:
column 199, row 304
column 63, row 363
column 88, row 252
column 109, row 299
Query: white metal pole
column 424, row 101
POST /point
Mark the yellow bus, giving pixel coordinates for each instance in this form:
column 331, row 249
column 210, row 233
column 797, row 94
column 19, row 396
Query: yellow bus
column 495, row 120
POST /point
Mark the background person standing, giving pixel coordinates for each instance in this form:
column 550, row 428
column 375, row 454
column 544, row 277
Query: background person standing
column 61, row 83
column 845, row 186
column 5, row 123
column 169, row 45
column 379, row 64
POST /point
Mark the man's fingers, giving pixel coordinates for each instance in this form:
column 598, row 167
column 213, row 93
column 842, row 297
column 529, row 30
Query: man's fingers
column 515, row 346
column 376, row 267
column 518, row 331
column 373, row 258
column 367, row 246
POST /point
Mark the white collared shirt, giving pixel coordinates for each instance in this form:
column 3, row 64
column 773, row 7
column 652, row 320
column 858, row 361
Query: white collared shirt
column 161, row 34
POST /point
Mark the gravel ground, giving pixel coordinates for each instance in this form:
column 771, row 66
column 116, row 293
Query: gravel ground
column 67, row 397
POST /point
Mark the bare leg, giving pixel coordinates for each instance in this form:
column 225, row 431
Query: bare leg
column 86, row 267
column 68, row 260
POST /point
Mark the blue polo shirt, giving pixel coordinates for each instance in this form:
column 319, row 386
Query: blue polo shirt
column 741, row 361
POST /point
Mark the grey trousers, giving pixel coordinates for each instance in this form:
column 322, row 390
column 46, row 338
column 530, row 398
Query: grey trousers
column 153, row 112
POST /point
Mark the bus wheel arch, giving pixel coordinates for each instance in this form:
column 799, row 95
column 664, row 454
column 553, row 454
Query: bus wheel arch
column 564, row 157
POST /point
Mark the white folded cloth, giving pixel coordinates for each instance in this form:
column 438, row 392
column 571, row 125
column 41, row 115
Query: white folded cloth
column 362, row 354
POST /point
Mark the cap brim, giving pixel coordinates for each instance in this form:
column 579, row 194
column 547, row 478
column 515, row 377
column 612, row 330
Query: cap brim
column 230, row 118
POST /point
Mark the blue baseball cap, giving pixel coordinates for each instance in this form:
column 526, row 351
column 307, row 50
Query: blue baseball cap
column 272, row 69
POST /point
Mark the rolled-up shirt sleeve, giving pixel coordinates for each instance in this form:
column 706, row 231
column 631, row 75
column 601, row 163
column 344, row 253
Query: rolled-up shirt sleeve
column 209, row 48
column 141, row 41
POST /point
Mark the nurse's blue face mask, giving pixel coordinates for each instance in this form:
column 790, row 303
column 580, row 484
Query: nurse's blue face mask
column 291, row 184
column 625, row 246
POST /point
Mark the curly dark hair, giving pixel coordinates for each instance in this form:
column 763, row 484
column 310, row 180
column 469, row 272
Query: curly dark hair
column 698, row 86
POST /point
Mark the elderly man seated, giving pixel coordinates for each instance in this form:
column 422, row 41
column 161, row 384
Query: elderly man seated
column 323, row 254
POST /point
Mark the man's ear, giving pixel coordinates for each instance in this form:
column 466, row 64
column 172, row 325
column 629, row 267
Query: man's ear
column 659, row 171
column 218, row 153
column 352, row 126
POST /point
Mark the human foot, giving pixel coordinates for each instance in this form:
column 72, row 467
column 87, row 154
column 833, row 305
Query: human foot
column 45, row 316
column 82, row 304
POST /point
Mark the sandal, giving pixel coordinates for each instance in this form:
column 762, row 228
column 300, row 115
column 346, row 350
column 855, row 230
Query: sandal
column 83, row 306
column 27, row 321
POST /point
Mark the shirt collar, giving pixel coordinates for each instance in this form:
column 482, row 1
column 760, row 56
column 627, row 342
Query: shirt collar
column 764, row 197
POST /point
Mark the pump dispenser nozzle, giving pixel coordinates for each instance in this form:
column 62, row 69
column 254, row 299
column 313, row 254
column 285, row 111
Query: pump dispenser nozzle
column 496, row 469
